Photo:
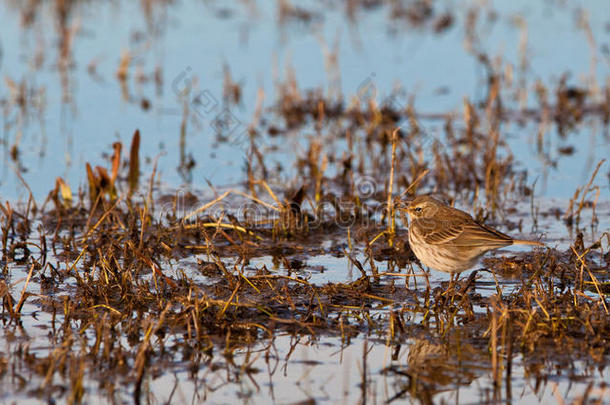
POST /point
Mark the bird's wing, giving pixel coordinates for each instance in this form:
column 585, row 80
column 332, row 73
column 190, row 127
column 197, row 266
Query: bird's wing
column 439, row 232
column 461, row 233
column 477, row 235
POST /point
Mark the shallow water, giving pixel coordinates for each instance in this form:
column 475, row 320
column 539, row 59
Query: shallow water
column 285, row 369
column 374, row 54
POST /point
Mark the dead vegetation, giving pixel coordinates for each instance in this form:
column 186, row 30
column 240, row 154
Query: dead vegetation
column 110, row 267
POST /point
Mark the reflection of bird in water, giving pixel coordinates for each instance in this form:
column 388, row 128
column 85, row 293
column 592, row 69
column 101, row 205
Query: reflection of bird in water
column 434, row 367
column 439, row 364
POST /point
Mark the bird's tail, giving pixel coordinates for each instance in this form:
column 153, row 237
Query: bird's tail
column 527, row 242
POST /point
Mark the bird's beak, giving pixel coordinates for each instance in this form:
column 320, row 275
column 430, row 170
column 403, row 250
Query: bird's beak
column 404, row 205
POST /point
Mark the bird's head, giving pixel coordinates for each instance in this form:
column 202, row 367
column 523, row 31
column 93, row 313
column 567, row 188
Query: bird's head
column 423, row 207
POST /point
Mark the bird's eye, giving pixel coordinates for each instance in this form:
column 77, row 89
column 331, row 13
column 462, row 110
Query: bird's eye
column 418, row 209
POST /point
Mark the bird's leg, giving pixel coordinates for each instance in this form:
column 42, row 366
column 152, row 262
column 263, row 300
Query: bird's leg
column 452, row 283
column 469, row 282
column 427, row 279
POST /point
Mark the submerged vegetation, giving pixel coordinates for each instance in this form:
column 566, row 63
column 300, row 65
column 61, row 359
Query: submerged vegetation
column 125, row 281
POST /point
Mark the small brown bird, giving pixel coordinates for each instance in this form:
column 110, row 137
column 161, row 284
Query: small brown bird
column 447, row 239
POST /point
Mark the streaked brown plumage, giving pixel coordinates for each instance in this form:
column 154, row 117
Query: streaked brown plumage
column 450, row 240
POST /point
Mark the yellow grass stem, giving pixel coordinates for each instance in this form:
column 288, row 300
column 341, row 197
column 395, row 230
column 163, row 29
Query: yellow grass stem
column 271, row 193
column 595, row 282
column 415, row 182
column 23, row 293
column 227, row 303
column 377, row 237
column 391, row 219
column 261, row 202
column 207, row 205
column 99, row 222
column 108, row 307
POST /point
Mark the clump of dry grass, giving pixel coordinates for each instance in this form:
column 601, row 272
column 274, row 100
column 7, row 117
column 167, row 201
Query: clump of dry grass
column 119, row 259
